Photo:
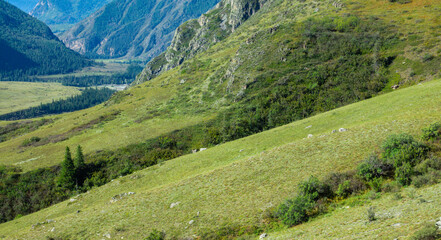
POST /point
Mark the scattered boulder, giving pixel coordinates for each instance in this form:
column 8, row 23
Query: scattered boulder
column 191, row 222
column 241, row 150
column 310, row 135
column 310, row 126
column 174, row 204
column 53, row 229
column 202, row 149
column 194, row 150
column 334, row 131
column 438, row 224
column 107, row 235
column 394, row 87
column 120, row 196
column 342, row 130
column 263, row 235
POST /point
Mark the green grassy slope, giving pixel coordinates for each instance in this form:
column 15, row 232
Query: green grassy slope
column 212, row 82
column 18, row 95
column 235, row 182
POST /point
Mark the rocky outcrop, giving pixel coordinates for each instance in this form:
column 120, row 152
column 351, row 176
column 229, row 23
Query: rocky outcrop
column 197, row 35
column 133, row 29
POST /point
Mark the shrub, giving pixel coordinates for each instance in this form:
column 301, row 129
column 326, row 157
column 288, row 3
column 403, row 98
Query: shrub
column 295, row 211
column 376, row 184
column 335, row 180
column 402, row 148
column 156, row 235
column 373, row 167
column 371, row 214
column 428, row 232
column 432, row 132
column 344, row 189
column 430, row 163
column 393, row 186
column 430, row 178
column 314, row 188
column 30, row 141
column 403, row 174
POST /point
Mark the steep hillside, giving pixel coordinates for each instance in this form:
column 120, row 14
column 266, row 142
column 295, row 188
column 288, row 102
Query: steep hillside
column 29, row 46
column 60, row 15
column 274, row 69
column 132, row 29
column 24, row 5
column 231, row 186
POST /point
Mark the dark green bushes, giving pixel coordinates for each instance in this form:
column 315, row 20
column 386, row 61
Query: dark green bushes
column 433, row 132
column 401, row 149
column 402, row 159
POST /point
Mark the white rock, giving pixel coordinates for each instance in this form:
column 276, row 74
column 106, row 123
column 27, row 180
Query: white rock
column 310, row 126
column 53, row 229
column 310, row 135
column 202, row 149
column 334, row 131
column 342, row 130
column 263, row 235
column 72, row 200
column 191, row 222
column 107, row 235
column 174, row 204
column 130, row 193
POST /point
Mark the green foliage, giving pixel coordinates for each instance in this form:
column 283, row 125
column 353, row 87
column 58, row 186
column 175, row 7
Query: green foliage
column 314, row 189
column 30, row 141
column 403, row 174
column 373, row 167
column 66, row 179
column 430, row 178
column 371, row 214
column 295, row 211
column 30, row 48
column 428, row 232
column 401, row 149
column 156, row 235
column 344, row 189
column 433, row 132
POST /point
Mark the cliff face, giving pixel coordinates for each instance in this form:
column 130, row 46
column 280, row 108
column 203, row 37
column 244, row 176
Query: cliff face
column 198, row 35
column 133, row 29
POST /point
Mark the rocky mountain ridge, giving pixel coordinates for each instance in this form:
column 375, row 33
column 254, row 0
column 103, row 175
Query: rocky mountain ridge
column 197, row 35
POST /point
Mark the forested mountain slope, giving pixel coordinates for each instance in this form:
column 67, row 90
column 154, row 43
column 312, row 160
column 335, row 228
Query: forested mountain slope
column 24, row 5
column 60, row 15
column 29, row 47
column 133, row 29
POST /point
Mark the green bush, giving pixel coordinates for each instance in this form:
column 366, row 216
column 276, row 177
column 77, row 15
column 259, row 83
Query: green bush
column 428, row 232
column 371, row 214
column 344, row 189
column 402, row 148
column 373, row 167
column 314, row 189
column 156, row 235
column 403, row 174
column 296, row 211
column 432, row 132
column 430, row 163
column 430, row 178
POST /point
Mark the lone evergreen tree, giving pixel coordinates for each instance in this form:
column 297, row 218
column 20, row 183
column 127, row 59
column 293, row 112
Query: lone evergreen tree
column 79, row 158
column 66, row 178
column 79, row 166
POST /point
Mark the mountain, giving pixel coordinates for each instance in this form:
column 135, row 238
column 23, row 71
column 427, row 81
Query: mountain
column 197, row 35
column 132, row 29
column 60, row 15
column 29, row 46
column 210, row 148
column 24, row 5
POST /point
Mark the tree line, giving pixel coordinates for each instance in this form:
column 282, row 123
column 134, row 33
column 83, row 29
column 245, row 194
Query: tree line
column 88, row 98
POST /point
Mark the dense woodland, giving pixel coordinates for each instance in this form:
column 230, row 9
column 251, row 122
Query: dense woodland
column 31, row 48
column 88, row 98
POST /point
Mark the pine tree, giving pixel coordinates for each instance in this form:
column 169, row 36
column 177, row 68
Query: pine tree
column 79, row 158
column 66, row 178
